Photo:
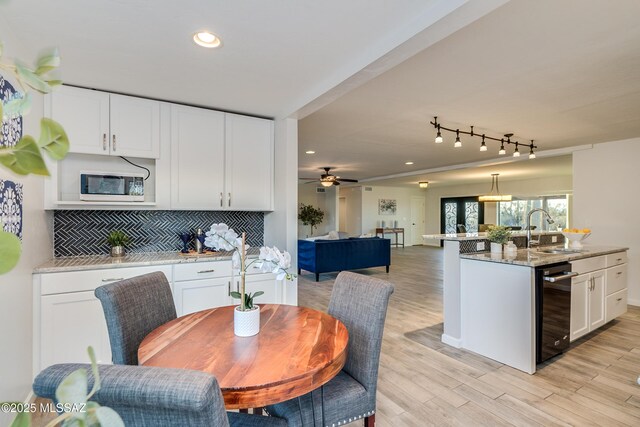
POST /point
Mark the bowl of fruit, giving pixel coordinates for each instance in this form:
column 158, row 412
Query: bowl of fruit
column 575, row 236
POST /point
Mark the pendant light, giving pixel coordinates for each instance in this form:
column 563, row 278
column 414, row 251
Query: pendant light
column 494, row 195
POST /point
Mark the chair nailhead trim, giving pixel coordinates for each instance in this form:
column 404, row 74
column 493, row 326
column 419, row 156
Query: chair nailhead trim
column 343, row 422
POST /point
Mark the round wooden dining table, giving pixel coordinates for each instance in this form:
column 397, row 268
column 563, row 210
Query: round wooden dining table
column 297, row 350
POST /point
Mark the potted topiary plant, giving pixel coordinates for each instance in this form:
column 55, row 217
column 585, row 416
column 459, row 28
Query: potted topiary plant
column 498, row 235
column 117, row 239
column 310, row 215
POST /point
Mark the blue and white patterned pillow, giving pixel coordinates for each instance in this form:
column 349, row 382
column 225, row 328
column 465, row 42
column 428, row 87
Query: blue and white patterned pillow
column 11, row 207
column 12, row 127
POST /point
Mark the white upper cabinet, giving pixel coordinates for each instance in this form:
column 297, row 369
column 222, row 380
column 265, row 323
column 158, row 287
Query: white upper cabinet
column 249, row 163
column 84, row 114
column 220, row 161
column 197, row 158
column 108, row 124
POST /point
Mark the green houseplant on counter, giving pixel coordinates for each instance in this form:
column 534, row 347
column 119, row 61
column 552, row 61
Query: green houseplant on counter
column 118, row 239
column 498, row 235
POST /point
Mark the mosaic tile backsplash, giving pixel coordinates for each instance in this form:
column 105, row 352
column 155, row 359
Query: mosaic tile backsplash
column 470, row 246
column 80, row 232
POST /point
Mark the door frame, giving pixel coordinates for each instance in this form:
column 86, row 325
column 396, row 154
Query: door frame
column 460, row 211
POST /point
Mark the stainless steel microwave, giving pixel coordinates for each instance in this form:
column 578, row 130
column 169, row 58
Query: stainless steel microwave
column 111, row 187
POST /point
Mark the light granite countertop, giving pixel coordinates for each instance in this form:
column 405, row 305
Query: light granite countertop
column 98, row 262
column 483, row 235
column 535, row 258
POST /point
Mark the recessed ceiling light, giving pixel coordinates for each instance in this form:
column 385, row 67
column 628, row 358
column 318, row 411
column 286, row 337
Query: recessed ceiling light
column 310, row 152
column 207, row 39
column 408, row 163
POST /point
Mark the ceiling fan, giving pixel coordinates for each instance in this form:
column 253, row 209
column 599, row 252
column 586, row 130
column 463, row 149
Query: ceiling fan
column 327, row 179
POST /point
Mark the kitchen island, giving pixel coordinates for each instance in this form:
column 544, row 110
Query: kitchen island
column 498, row 304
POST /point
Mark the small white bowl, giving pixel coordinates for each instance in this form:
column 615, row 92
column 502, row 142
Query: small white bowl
column 575, row 239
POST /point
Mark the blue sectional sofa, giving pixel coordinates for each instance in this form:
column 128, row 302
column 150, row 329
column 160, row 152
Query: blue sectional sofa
column 324, row 256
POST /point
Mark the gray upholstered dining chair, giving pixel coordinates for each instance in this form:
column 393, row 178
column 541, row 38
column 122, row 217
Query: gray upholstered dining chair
column 133, row 308
column 360, row 302
column 155, row 397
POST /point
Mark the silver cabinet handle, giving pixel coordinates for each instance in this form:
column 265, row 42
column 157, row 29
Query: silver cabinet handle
column 229, row 288
column 229, row 199
column 113, row 280
column 205, row 271
column 238, row 286
column 221, row 199
column 113, row 144
column 104, row 142
column 564, row 276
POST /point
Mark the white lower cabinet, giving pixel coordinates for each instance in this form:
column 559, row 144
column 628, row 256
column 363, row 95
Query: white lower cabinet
column 599, row 293
column 68, row 317
column 587, row 303
column 70, row 323
column 267, row 283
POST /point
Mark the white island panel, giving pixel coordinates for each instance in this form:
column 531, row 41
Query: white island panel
column 497, row 311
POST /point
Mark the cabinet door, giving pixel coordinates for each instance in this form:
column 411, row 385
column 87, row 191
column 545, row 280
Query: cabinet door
column 197, row 158
column 267, row 283
column 84, row 114
column 69, row 323
column 135, row 127
column 596, row 300
column 196, row 295
column 249, row 163
column 580, row 305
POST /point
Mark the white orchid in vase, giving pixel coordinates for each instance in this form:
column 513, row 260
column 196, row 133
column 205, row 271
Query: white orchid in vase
column 270, row 260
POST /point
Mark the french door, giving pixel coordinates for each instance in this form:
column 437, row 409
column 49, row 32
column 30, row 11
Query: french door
column 458, row 213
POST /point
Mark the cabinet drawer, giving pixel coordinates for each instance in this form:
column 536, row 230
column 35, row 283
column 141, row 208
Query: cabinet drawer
column 616, row 304
column 202, row 270
column 616, row 259
column 589, row 264
column 76, row 281
column 616, row 278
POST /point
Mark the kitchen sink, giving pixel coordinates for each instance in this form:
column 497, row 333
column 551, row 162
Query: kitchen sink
column 558, row 251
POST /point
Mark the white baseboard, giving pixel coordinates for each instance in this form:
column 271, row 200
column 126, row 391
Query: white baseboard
column 453, row 342
column 634, row 302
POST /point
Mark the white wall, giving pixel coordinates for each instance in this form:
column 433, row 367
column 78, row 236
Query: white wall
column 605, row 199
column 327, row 202
column 353, row 198
column 280, row 226
column 520, row 188
column 15, row 286
column 371, row 218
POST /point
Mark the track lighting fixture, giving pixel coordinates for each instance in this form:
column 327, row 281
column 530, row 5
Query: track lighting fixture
column 458, row 143
column 483, row 146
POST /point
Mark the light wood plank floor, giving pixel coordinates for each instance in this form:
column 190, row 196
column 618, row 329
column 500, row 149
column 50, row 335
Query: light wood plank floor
column 424, row 382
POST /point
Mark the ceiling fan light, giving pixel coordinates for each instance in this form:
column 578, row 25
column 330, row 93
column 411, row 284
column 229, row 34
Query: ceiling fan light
column 326, row 183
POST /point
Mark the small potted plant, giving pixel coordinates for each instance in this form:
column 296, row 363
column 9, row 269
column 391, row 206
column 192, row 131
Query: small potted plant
column 310, row 215
column 498, row 235
column 117, row 239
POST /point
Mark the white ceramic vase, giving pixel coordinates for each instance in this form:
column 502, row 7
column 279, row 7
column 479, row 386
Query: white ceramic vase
column 496, row 248
column 246, row 323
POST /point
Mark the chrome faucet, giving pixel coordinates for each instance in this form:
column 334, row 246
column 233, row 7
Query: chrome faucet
column 531, row 212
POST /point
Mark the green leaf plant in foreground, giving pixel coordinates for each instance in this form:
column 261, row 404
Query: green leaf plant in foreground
column 26, row 156
column 72, row 397
column 10, row 250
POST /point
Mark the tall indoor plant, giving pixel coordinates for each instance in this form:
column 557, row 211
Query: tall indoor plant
column 247, row 314
column 310, row 215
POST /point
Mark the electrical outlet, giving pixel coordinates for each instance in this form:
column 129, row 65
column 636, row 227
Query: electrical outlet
column 554, row 239
column 480, row 246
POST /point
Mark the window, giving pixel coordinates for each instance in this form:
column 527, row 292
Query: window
column 461, row 211
column 514, row 213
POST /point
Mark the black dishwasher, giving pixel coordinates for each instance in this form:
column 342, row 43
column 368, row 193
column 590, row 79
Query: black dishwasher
column 553, row 310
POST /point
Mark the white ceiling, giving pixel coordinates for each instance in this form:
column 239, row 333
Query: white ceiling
column 277, row 55
column 563, row 73
column 365, row 76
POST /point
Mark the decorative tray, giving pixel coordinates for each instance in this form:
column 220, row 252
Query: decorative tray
column 207, row 252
